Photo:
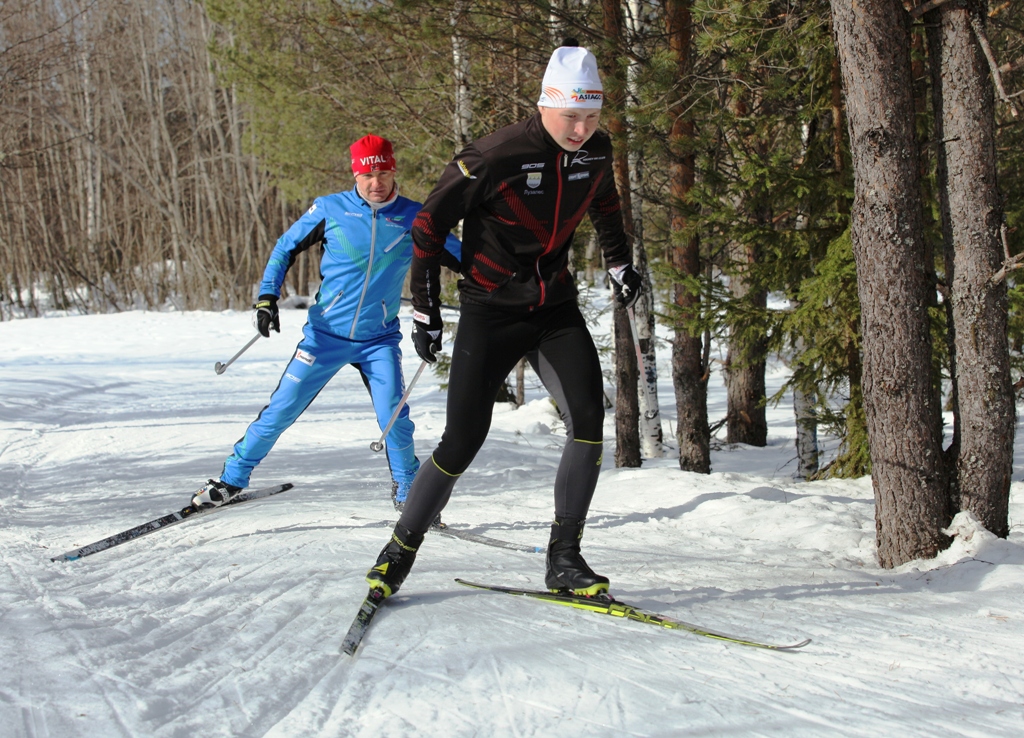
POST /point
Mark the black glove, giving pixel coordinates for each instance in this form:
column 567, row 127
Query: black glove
column 267, row 315
column 626, row 284
column 426, row 334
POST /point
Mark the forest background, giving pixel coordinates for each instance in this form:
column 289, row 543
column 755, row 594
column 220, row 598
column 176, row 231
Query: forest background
column 151, row 152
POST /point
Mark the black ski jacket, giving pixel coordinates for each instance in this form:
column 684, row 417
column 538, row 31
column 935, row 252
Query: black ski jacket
column 521, row 197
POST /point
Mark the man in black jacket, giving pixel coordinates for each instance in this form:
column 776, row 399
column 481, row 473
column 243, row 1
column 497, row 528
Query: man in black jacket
column 521, row 193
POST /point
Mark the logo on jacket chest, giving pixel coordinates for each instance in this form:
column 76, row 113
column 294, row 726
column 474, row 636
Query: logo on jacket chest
column 583, row 157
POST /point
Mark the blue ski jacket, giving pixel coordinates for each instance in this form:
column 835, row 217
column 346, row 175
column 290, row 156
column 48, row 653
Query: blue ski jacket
column 366, row 253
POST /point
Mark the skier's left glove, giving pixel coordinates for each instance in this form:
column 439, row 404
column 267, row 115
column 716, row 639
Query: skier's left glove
column 426, row 334
column 267, row 315
column 626, row 284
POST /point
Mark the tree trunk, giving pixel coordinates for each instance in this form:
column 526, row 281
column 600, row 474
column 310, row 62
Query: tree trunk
column 985, row 412
column 804, row 399
column 745, row 361
column 463, row 117
column 637, row 21
column 627, row 412
column 806, row 429
column 689, row 375
column 909, row 479
column 521, row 382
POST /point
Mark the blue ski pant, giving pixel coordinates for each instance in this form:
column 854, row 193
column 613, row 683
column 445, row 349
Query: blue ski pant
column 317, row 358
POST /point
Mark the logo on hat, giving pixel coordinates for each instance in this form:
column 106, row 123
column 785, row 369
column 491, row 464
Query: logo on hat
column 554, row 96
column 372, row 154
column 580, row 95
column 374, row 162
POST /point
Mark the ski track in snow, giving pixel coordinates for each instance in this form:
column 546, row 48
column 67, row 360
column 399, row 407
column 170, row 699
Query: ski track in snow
column 231, row 624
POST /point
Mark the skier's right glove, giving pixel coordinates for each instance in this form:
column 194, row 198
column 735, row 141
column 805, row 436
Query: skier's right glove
column 626, row 284
column 426, row 334
column 267, row 315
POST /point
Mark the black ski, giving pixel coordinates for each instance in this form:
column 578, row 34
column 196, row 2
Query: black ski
column 465, row 535
column 167, row 520
column 606, row 605
column 362, row 622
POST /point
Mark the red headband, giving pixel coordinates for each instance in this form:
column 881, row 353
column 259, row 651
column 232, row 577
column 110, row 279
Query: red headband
column 372, row 154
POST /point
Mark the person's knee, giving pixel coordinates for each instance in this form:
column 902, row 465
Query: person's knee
column 588, row 421
column 455, row 455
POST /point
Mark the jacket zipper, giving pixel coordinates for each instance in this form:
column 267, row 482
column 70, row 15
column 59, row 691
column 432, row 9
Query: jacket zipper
column 369, row 269
column 554, row 228
column 331, row 304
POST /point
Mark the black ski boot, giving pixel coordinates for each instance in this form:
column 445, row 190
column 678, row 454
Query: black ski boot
column 395, row 561
column 567, row 571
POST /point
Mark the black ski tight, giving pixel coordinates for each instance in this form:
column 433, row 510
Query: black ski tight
column 488, row 344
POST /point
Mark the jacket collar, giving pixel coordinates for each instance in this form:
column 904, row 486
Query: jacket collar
column 374, row 206
column 539, row 135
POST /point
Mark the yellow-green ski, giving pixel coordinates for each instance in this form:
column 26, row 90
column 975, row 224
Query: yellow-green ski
column 606, row 605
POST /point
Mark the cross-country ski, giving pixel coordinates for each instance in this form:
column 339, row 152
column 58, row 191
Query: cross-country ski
column 609, row 606
column 173, row 518
column 451, row 531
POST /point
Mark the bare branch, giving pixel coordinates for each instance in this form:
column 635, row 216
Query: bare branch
column 1011, row 264
column 979, row 32
column 922, row 9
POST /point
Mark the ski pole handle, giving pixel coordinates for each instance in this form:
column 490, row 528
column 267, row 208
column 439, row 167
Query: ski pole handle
column 378, row 445
column 219, row 367
column 649, row 412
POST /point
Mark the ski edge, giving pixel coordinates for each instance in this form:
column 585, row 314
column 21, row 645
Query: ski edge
column 631, row 612
column 164, row 521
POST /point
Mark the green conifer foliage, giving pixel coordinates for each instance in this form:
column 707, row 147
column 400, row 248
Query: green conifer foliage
column 828, row 314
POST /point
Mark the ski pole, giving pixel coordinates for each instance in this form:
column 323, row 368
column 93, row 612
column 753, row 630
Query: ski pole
column 219, row 367
column 649, row 413
column 378, row 445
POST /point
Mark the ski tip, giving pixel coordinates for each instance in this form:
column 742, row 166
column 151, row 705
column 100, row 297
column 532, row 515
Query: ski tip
column 793, row 646
column 286, row 486
column 65, row 557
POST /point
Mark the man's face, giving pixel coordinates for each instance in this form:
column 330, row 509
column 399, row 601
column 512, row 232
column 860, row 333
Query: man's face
column 570, row 127
column 375, row 186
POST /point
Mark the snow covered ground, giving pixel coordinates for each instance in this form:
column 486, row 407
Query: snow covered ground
column 230, row 625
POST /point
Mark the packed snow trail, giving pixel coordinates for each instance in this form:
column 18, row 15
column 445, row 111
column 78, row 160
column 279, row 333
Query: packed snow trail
column 231, row 625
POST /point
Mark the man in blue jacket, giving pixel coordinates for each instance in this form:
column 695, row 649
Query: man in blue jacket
column 366, row 250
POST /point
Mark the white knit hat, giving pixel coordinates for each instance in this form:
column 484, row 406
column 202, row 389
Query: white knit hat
column 571, row 80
